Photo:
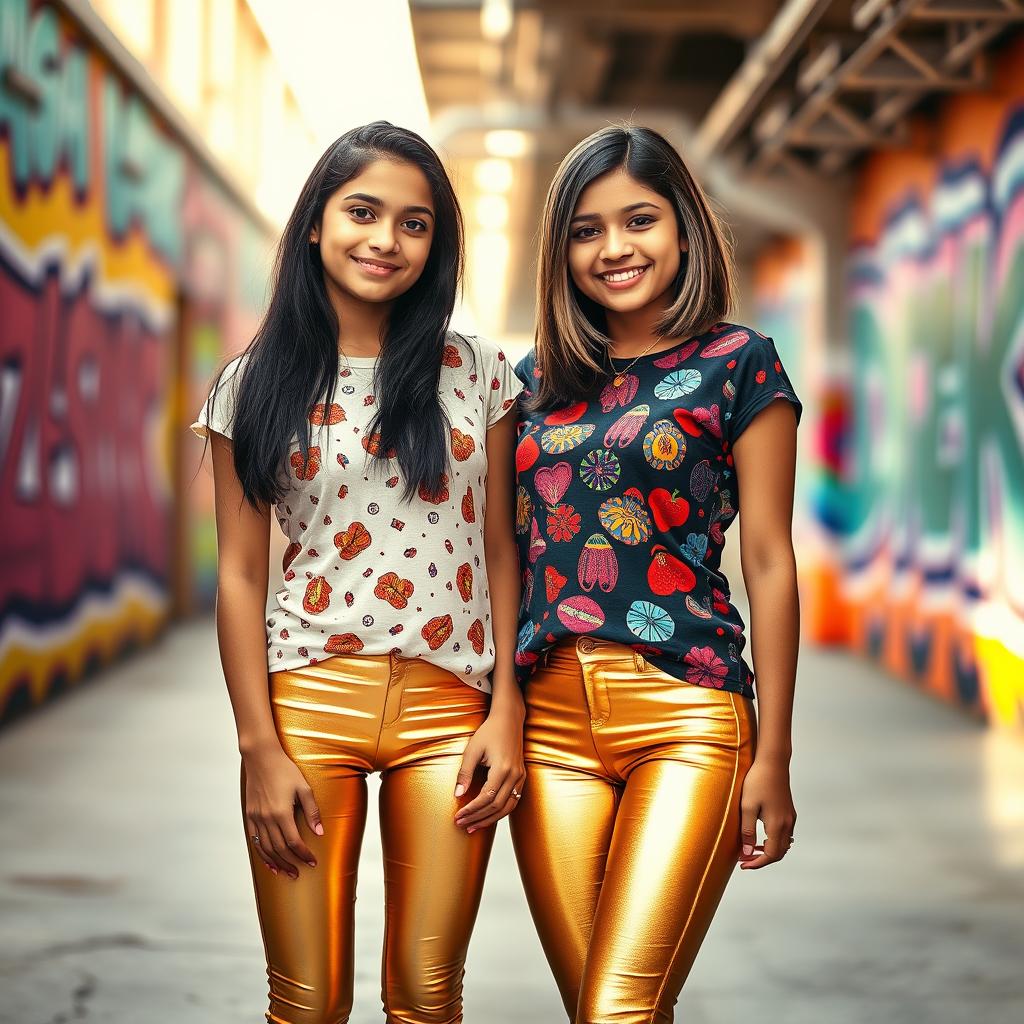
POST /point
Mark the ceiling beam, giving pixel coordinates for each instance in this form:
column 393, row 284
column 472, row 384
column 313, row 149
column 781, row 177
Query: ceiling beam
column 738, row 100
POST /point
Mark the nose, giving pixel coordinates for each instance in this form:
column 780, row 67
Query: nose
column 616, row 246
column 384, row 239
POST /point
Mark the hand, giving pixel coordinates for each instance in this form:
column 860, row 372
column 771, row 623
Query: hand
column 766, row 795
column 273, row 786
column 498, row 743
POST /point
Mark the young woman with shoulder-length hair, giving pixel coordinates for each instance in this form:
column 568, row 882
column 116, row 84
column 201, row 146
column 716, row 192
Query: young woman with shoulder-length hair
column 382, row 443
column 648, row 422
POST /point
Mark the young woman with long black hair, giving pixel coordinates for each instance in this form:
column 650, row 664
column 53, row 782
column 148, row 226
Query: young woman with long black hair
column 650, row 422
column 382, row 443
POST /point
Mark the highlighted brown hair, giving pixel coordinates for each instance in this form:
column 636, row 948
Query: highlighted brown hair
column 571, row 338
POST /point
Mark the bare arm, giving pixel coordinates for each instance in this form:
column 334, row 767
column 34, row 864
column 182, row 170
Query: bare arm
column 274, row 783
column 499, row 742
column 243, row 541
column 503, row 562
column 765, row 460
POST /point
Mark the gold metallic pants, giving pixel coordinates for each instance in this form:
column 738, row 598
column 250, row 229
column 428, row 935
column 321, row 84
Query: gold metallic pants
column 629, row 826
column 410, row 721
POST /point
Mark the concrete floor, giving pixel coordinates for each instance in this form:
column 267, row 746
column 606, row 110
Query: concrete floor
column 125, row 897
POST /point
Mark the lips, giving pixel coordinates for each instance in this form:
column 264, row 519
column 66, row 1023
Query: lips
column 624, row 277
column 379, row 268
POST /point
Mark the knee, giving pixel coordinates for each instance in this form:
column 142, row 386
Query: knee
column 424, row 993
column 602, row 1006
column 309, row 1007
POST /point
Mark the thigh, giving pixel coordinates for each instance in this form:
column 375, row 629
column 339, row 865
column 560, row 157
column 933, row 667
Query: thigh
column 675, row 844
column 561, row 832
column 433, row 880
column 308, row 925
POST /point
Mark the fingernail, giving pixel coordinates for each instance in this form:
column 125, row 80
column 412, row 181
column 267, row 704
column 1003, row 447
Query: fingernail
column 471, row 831
column 311, row 863
column 747, row 851
column 460, row 789
column 293, row 875
column 318, row 829
column 270, row 867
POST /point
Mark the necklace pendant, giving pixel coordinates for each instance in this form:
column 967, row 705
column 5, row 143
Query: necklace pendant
column 618, row 379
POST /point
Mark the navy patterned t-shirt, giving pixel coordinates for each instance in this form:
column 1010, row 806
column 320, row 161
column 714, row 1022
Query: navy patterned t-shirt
column 623, row 502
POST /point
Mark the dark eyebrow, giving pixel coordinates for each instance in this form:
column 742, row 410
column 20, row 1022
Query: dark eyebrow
column 374, row 201
column 625, row 209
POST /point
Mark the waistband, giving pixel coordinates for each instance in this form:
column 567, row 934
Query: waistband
column 593, row 648
column 385, row 665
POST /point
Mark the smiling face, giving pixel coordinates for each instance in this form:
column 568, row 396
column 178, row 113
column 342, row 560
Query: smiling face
column 624, row 244
column 375, row 233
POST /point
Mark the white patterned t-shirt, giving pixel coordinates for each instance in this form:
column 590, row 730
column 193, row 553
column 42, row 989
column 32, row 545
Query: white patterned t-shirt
column 365, row 572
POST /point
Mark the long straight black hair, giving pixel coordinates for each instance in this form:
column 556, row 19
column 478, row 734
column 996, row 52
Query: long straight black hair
column 292, row 362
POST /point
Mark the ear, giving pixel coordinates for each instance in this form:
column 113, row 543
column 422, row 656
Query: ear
column 684, row 245
column 314, row 236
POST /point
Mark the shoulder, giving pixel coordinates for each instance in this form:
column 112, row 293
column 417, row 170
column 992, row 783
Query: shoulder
column 526, row 369
column 726, row 340
column 233, row 369
column 476, row 345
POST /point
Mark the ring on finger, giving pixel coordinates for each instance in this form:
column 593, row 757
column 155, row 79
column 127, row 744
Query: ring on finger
column 255, row 839
column 517, row 794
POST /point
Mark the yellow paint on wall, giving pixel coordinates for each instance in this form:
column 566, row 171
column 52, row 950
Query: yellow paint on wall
column 133, row 619
column 45, row 213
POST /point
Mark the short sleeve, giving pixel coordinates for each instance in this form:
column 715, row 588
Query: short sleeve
column 524, row 371
column 218, row 411
column 759, row 378
column 503, row 387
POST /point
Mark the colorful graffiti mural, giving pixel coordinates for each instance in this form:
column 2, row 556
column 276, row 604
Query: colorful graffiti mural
column 933, row 523
column 105, row 220
column 787, row 292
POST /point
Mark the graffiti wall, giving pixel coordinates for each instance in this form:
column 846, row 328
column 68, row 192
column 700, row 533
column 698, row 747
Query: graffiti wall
column 787, row 292
column 921, row 455
column 103, row 217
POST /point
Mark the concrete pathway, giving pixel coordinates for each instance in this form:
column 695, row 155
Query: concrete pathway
column 125, row 897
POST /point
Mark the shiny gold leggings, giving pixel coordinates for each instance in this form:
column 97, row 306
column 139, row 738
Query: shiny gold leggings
column 410, row 721
column 629, row 826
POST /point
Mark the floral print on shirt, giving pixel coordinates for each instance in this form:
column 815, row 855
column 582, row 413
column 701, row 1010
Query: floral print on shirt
column 623, row 502
column 365, row 572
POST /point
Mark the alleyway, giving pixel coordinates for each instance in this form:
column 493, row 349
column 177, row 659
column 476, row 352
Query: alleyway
column 124, row 895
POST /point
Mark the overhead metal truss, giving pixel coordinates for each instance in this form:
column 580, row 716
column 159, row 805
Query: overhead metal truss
column 854, row 90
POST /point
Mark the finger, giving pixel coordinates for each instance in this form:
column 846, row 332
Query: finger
column 279, row 850
column 759, row 860
column 507, row 808
column 519, row 789
column 748, row 830
column 256, row 843
column 488, row 799
column 470, row 760
column 311, row 811
column 266, row 847
column 776, row 839
column 295, row 843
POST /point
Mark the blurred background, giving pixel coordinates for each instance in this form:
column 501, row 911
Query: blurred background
column 868, row 157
